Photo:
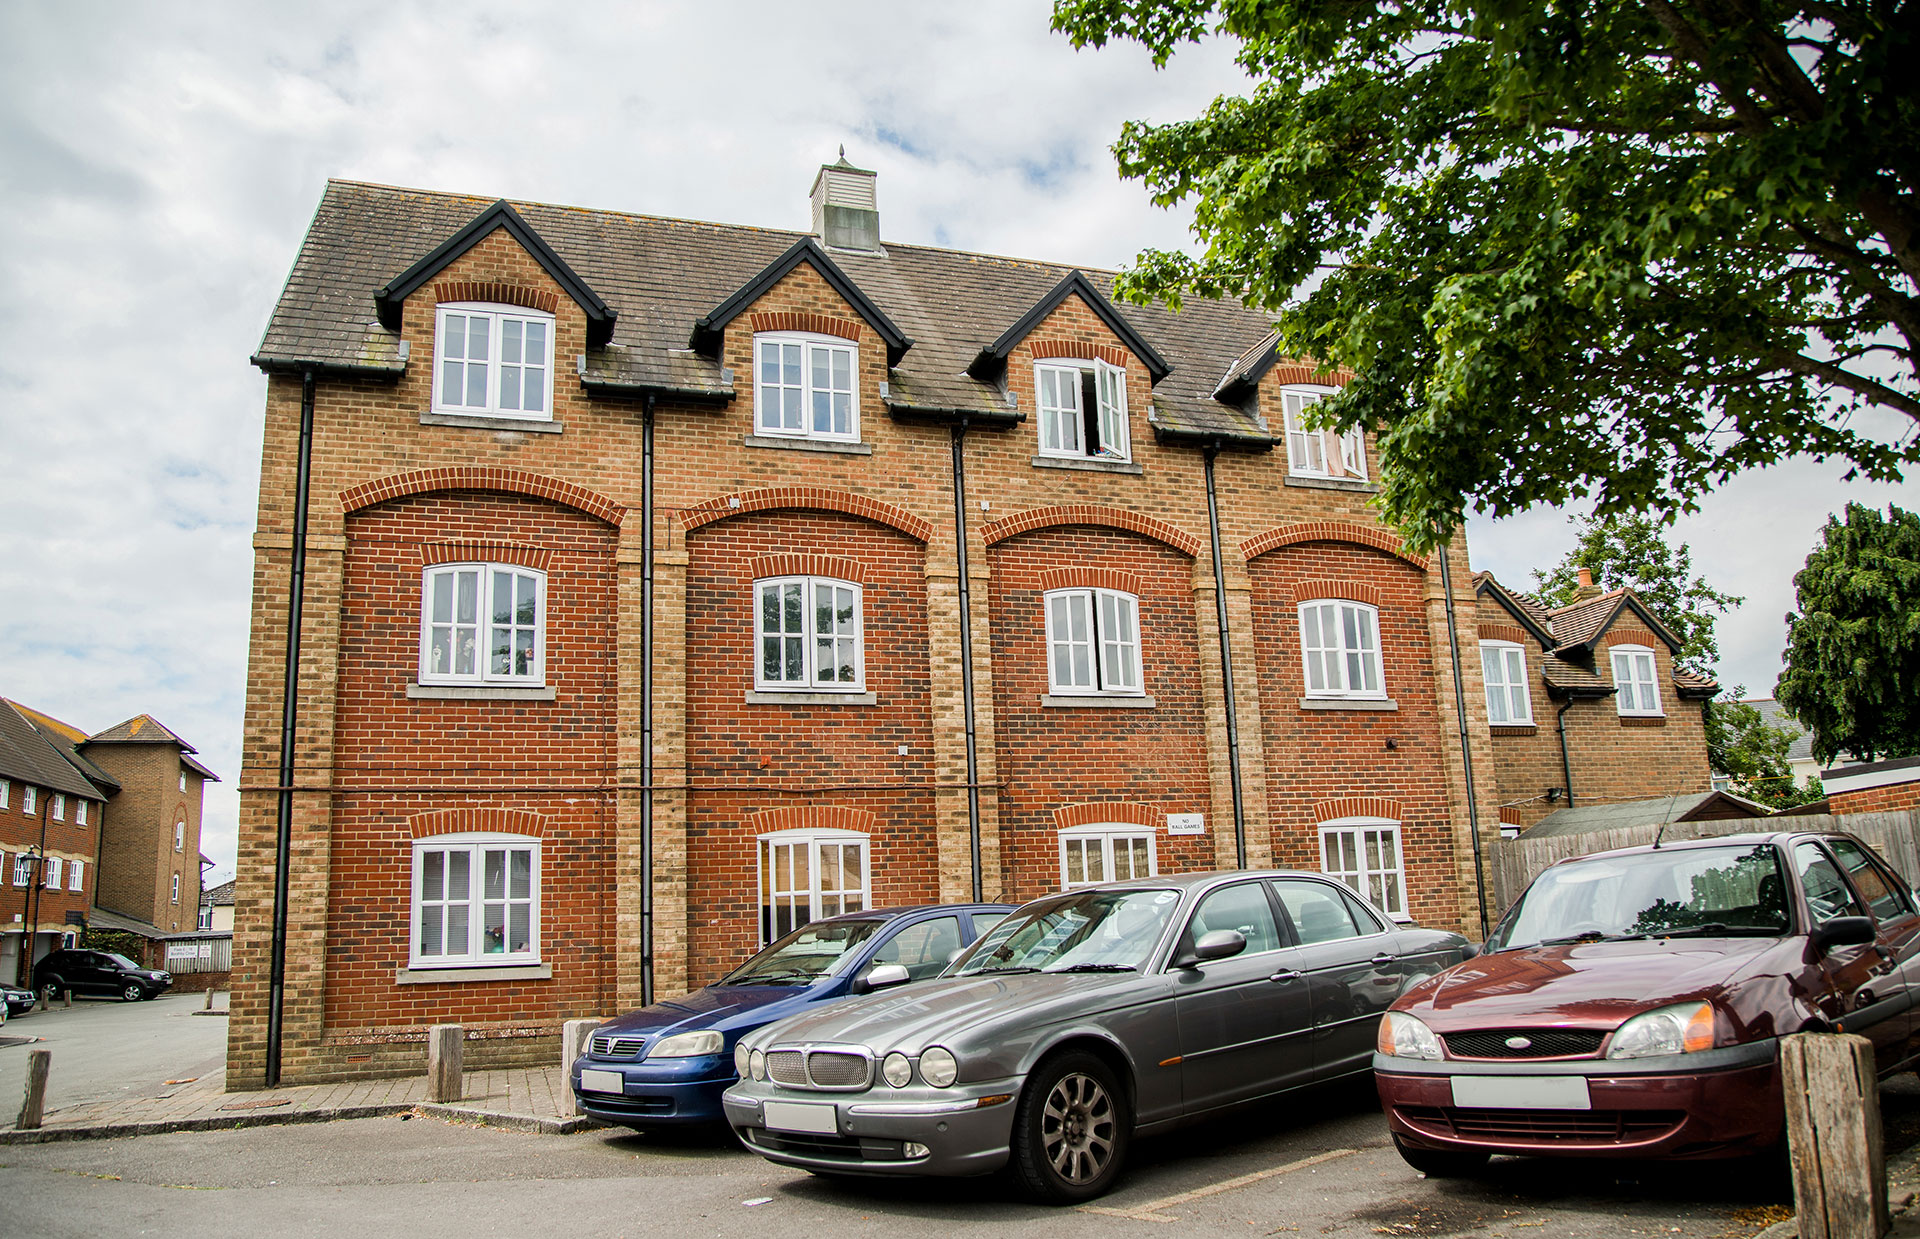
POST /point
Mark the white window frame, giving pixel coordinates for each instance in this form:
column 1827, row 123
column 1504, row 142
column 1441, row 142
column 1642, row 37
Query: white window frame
column 480, row 630
column 1108, row 647
column 1098, row 841
column 1631, row 690
column 474, row 845
column 57, row 809
column 51, row 872
column 176, row 888
column 1509, row 692
column 76, row 875
column 1380, row 886
column 772, row 416
column 183, row 780
column 22, row 869
column 180, row 835
column 204, row 920
column 499, row 320
column 29, row 798
column 1062, row 427
column 6, row 792
column 1310, row 452
column 809, row 636
column 1339, row 655
column 80, row 812
column 777, row 878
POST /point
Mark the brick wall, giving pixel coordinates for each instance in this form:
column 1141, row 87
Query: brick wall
column 139, row 861
column 1888, row 799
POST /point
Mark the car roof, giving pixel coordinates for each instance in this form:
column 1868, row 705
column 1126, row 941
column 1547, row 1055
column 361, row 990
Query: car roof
column 1754, row 838
column 1188, row 881
column 910, row 909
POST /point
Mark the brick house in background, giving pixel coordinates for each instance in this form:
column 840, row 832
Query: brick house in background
column 50, row 815
column 933, row 610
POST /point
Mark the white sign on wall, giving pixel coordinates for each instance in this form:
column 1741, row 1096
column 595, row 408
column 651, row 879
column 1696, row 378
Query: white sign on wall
column 1186, row 823
column 177, row 951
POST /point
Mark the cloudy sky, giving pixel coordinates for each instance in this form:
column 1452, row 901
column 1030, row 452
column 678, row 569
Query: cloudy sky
column 160, row 162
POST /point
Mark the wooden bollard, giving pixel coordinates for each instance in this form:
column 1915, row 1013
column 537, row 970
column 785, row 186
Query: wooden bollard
column 1833, row 1128
column 39, row 1063
column 445, row 1044
column 573, row 1043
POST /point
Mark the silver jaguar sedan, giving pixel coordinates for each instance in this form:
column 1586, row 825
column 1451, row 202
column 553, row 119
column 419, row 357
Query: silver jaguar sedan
column 1081, row 1019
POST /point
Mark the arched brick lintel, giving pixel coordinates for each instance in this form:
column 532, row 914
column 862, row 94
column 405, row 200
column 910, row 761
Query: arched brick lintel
column 811, row 817
column 815, row 498
column 1357, row 806
column 1092, row 514
column 1083, row 577
column 539, row 558
column 1293, row 373
column 462, row 821
column 761, row 567
column 511, row 481
column 1068, row 816
column 1351, row 591
column 1630, row 636
column 1329, row 531
column 1504, row 632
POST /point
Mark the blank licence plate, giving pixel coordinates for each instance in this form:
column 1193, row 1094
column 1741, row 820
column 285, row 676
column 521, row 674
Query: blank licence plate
column 602, row 1081
column 810, row 1117
column 1521, row 1093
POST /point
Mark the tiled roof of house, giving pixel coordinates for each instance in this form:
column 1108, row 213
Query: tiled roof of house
column 221, row 896
column 67, row 738
column 1773, row 714
column 661, row 276
column 28, row 756
column 1649, row 812
column 141, row 729
column 1571, row 677
column 1575, row 628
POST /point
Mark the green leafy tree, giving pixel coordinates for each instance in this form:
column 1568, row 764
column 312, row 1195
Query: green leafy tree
column 1853, row 646
column 1602, row 250
column 1741, row 743
column 1632, row 551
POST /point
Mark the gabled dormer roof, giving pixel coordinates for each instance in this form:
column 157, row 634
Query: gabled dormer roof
column 1527, row 613
column 388, row 300
column 708, row 328
column 992, row 361
column 1579, row 627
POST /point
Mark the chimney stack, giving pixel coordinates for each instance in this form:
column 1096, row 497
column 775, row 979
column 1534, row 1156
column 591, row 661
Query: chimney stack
column 1587, row 588
column 846, row 213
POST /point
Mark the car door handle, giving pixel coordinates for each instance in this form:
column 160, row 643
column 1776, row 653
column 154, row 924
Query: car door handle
column 1383, row 959
column 1286, row 975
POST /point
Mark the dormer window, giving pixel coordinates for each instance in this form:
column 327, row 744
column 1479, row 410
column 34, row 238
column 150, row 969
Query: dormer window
column 1320, row 453
column 493, row 361
column 805, row 386
column 1083, row 409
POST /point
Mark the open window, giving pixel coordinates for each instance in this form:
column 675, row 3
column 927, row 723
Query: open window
column 1083, row 409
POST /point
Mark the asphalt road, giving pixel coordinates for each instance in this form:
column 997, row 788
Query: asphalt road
column 1317, row 1164
column 103, row 1048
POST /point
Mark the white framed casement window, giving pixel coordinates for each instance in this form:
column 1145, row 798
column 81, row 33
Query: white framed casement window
column 1106, row 853
column 1320, row 453
column 183, row 780
column 22, row 869
column 483, row 624
column 29, row 798
column 51, row 878
column 76, row 875
column 1364, row 852
column 180, row 835
column 1503, row 666
column 1340, row 642
column 205, row 919
column 58, row 808
column 807, row 634
column 809, row 874
column 493, row 361
column 476, row 901
column 1636, row 681
column 79, row 812
column 6, row 793
column 1093, row 643
column 176, row 888
column 1083, row 409
column 806, row 387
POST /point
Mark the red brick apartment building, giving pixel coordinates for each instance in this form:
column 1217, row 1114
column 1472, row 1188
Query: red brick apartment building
column 665, row 584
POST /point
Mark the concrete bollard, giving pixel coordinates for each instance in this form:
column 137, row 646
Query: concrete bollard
column 208, row 1004
column 1833, row 1129
column 445, row 1044
column 39, row 1063
column 573, row 1043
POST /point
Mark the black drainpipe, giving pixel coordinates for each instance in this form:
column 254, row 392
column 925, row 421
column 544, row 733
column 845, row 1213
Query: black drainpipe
column 1466, row 749
column 1226, row 664
column 966, row 647
column 1566, row 763
column 646, row 705
column 289, row 717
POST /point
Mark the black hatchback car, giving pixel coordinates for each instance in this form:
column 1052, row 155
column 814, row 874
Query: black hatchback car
column 99, row 972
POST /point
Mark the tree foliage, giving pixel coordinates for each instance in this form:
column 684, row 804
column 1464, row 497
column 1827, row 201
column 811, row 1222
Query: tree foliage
column 1570, row 248
column 1632, row 551
column 1853, row 646
column 1741, row 743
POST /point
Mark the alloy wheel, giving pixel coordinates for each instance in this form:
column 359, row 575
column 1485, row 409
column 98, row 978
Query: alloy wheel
column 1078, row 1124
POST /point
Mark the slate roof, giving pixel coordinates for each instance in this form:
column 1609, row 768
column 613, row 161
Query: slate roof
column 1569, row 665
column 28, row 756
column 67, row 738
column 220, row 896
column 659, row 277
column 1773, row 714
column 140, row 729
column 1650, row 812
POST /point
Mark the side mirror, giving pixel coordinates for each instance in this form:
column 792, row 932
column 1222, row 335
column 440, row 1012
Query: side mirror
column 1215, row 944
column 1840, row 931
column 881, row 976
column 1471, row 950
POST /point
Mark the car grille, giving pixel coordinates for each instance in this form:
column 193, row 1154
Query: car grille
column 850, row 1150
column 1545, row 1127
column 636, row 1105
column 1541, row 1043
column 819, row 1069
column 615, row 1047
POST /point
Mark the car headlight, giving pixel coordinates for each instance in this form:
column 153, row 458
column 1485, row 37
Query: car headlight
column 759, row 1065
column 742, row 1061
column 688, row 1045
column 1683, row 1029
column 1403, row 1036
column 937, row 1067
column 896, row 1070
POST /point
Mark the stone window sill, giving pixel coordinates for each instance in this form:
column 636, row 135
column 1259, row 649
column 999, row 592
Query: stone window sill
column 478, row 692
column 1088, row 462
column 452, row 976
column 812, row 699
column 468, row 421
column 807, row 445
column 1352, row 484
column 1348, row 703
column 1054, row 701
column 1514, row 729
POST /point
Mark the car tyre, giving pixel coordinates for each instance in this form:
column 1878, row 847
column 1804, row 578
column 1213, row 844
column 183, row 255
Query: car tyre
column 53, row 988
column 133, row 992
column 1441, row 1163
column 1071, row 1131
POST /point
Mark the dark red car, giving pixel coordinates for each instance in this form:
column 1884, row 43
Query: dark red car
column 1630, row 1004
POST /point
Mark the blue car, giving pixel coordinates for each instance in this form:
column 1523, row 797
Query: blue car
column 667, row 1064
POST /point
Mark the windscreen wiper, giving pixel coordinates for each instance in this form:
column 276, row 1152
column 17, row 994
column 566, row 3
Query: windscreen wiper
column 1714, row 929
column 1590, row 935
column 1004, row 969
column 1094, row 968
column 775, row 978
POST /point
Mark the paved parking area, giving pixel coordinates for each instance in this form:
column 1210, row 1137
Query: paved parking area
column 105, row 1049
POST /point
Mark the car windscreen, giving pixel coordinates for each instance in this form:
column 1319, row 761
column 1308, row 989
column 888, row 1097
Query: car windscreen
column 1693, row 892
column 811, row 951
column 1092, row 931
column 121, row 960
